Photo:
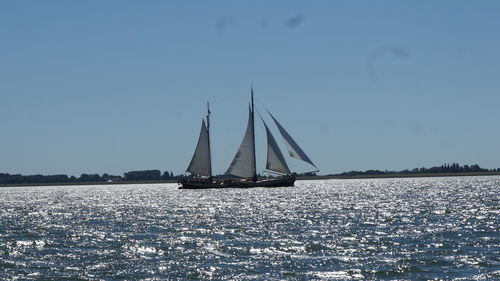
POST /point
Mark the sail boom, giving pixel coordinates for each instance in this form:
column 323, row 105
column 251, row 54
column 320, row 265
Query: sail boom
column 305, row 173
column 274, row 172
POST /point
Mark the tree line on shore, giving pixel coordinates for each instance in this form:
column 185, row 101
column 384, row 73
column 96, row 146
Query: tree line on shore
column 443, row 169
column 145, row 175
column 157, row 175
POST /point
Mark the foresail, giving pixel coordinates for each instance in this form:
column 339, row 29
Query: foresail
column 201, row 162
column 243, row 164
column 275, row 160
column 293, row 148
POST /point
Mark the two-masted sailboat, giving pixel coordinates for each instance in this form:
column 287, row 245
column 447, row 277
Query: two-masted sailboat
column 243, row 166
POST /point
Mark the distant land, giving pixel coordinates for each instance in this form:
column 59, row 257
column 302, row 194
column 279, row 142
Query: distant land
column 156, row 176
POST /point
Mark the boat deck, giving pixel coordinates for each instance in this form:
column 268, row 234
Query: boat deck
column 205, row 184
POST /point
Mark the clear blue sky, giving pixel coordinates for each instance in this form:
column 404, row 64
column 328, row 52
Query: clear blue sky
column 113, row 86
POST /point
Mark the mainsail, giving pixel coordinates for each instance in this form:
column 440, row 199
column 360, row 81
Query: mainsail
column 293, row 148
column 201, row 162
column 275, row 160
column 243, row 164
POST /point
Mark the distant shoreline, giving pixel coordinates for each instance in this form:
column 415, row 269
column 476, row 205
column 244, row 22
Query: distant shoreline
column 339, row 177
column 415, row 175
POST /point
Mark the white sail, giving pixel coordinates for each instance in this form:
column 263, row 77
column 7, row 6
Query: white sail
column 243, row 164
column 293, row 148
column 201, row 162
column 275, row 160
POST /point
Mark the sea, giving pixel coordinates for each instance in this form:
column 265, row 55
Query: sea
column 444, row 228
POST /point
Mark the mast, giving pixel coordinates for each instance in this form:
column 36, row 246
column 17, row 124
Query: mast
column 208, row 133
column 254, row 179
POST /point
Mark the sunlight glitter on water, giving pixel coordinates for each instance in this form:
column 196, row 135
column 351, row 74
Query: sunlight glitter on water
column 404, row 229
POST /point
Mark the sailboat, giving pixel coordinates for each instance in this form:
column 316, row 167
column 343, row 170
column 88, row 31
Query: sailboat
column 243, row 166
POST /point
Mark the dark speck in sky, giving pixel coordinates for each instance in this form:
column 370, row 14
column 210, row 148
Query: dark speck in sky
column 375, row 55
column 222, row 23
column 295, row 21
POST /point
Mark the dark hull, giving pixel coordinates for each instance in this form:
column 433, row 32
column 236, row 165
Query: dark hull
column 200, row 184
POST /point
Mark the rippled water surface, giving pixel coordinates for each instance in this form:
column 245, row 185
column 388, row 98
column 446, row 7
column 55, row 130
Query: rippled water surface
column 407, row 229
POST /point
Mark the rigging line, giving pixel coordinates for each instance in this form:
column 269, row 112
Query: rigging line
column 261, row 118
column 261, row 103
column 264, row 125
column 258, row 112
